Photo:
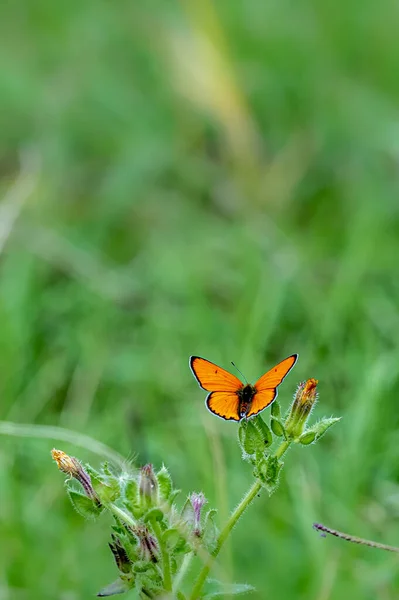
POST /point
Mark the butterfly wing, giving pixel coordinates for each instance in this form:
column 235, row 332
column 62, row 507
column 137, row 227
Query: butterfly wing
column 213, row 378
column 266, row 386
column 224, row 405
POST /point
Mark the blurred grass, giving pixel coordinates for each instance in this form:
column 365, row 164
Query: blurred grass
column 205, row 178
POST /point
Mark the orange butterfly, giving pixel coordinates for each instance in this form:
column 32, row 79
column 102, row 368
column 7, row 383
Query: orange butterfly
column 229, row 398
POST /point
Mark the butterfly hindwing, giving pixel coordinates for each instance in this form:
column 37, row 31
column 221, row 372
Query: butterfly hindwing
column 261, row 400
column 224, row 404
column 213, row 378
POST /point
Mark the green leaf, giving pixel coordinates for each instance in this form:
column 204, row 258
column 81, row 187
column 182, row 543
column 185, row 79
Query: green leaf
column 321, row 426
column 106, row 470
column 187, row 513
column 275, row 410
column 264, row 431
column 174, row 541
column 154, row 514
column 277, row 427
column 132, row 500
column 117, row 587
column 173, row 496
column 217, row 589
column 253, row 440
column 165, row 485
column 308, row 437
column 268, row 472
column 84, row 505
column 210, row 531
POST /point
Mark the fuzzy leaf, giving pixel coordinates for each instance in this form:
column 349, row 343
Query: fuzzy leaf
column 321, row 427
column 277, row 427
column 308, row 437
column 132, row 501
column 275, row 409
column 117, row 587
column 173, row 496
column 253, row 440
column 174, row 541
column 84, row 505
column 210, row 531
column 221, row 590
column 187, row 513
column 165, row 485
column 264, row 431
column 154, row 514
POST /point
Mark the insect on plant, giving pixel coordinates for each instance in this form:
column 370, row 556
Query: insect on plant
column 154, row 538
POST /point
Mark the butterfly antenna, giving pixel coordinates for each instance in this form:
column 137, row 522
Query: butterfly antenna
column 242, row 374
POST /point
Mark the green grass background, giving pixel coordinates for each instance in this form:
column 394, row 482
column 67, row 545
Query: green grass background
column 214, row 178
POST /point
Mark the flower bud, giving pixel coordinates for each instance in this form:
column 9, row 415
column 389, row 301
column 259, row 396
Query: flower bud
column 304, row 400
column 122, row 560
column 72, row 467
column 197, row 502
column 148, row 486
column 147, row 543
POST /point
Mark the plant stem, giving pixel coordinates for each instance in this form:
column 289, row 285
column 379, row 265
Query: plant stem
column 234, row 517
column 184, row 567
column 122, row 515
column 167, row 577
column 354, row 539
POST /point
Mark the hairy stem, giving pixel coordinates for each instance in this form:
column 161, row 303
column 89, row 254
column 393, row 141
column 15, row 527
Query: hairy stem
column 234, row 517
column 355, row 540
column 184, row 567
column 167, row 577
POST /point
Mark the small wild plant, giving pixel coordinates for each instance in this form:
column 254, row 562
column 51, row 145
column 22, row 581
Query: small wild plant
column 154, row 538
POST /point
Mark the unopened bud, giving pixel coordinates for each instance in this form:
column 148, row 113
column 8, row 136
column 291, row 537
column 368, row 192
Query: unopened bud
column 304, row 401
column 197, row 502
column 72, row 467
column 148, row 485
column 147, row 543
column 122, row 560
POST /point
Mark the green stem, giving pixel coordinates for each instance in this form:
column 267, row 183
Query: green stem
column 167, row 577
column 184, row 567
column 122, row 515
column 234, row 517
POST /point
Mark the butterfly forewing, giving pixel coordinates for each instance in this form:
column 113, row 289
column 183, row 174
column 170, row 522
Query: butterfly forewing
column 275, row 376
column 213, row 378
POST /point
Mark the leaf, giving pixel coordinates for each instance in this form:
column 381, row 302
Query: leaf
column 268, row 472
column 187, row 513
column 132, row 500
column 173, row 496
column 321, row 427
column 154, row 514
column 253, row 439
column 275, row 410
column 308, row 437
column 210, row 531
column 165, row 485
column 222, row 590
column 277, row 427
column 174, row 541
column 84, row 505
column 264, row 431
column 117, row 587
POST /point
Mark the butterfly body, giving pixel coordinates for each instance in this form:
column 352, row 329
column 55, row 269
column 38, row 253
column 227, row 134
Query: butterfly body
column 231, row 399
column 245, row 396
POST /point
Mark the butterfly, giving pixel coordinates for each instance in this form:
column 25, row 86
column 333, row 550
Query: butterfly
column 231, row 399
